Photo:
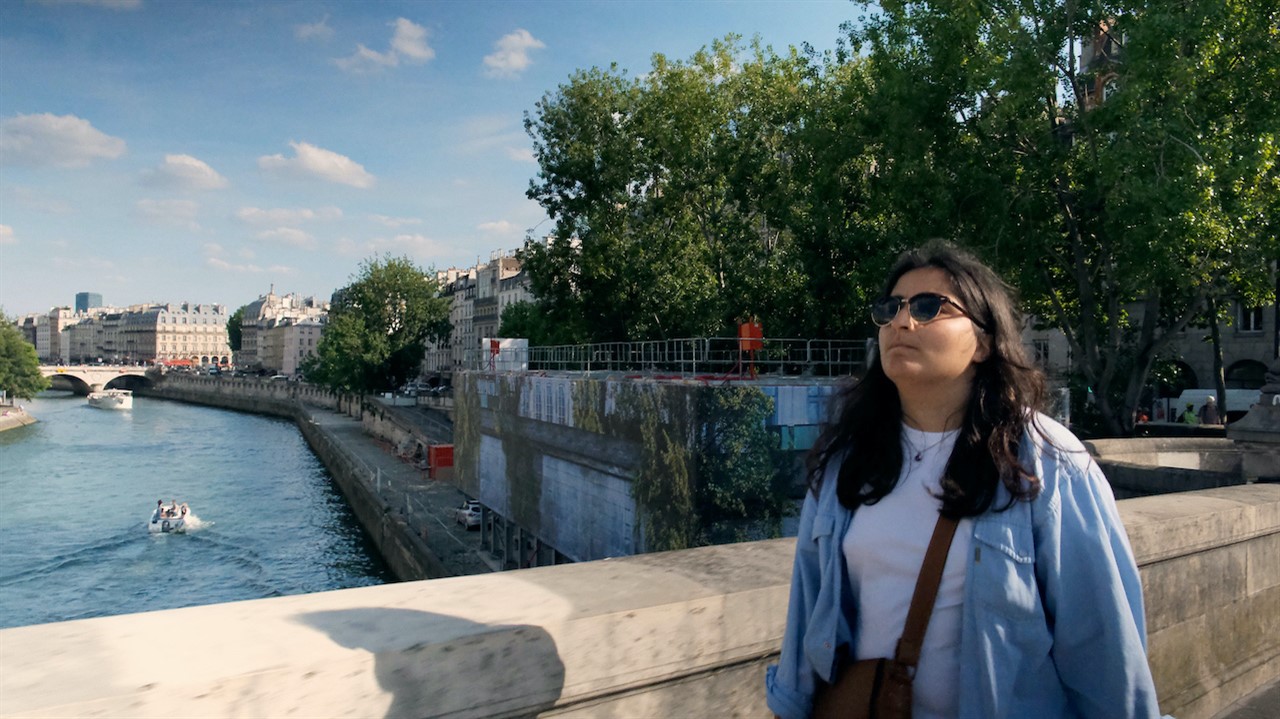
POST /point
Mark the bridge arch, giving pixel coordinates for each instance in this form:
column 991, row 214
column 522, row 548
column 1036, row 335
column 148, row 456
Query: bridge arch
column 83, row 379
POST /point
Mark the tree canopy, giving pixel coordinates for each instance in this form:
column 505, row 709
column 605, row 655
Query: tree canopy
column 19, row 365
column 378, row 327
column 1117, row 161
column 671, row 196
column 235, row 331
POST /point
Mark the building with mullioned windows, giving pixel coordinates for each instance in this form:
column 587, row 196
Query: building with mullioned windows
column 183, row 333
column 278, row 332
column 478, row 297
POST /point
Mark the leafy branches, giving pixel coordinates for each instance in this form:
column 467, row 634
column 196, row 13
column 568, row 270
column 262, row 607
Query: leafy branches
column 19, row 365
column 378, row 327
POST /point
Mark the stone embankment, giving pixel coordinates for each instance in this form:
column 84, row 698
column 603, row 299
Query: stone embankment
column 407, row 515
column 14, row 417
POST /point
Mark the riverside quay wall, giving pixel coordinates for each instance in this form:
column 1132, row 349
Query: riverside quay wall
column 685, row 633
column 405, row 551
column 601, row 464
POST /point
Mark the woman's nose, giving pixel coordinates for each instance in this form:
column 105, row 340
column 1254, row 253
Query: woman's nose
column 902, row 319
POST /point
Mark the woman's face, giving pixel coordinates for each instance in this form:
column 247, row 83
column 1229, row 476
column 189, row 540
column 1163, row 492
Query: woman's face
column 935, row 354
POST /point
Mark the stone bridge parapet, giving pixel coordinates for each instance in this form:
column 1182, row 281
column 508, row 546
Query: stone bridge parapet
column 684, row 633
column 83, row 379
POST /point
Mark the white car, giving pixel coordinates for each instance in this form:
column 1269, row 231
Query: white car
column 468, row 515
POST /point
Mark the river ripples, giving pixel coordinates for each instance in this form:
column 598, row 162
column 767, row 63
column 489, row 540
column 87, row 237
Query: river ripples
column 77, row 487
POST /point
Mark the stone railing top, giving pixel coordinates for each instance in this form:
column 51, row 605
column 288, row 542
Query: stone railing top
column 1165, row 526
column 468, row 646
column 514, row 643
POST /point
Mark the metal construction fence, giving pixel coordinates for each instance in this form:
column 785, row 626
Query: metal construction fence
column 693, row 356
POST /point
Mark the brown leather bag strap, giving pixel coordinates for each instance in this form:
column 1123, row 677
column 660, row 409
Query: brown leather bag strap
column 935, row 558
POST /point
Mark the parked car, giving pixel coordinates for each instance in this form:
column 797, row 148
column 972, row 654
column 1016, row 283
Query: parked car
column 468, row 515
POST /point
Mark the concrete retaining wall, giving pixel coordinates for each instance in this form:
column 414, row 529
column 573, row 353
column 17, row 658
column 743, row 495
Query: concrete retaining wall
column 1210, row 564
column 1212, row 455
column 12, row 418
column 1138, row 467
column 675, row 634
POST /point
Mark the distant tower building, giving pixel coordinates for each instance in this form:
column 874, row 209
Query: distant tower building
column 85, row 300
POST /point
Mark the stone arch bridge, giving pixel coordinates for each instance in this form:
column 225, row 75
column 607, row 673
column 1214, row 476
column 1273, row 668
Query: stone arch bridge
column 83, row 379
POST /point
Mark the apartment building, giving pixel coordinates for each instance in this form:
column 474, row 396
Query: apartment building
column 478, row 295
column 186, row 332
column 263, row 328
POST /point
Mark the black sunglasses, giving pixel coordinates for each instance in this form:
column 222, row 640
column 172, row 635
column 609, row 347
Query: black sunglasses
column 923, row 307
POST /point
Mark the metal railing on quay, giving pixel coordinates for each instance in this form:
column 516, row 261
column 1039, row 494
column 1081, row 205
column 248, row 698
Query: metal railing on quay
column 689, row 357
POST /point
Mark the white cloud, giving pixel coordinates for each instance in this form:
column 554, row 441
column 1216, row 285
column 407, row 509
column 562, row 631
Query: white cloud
column 410, row 42
column 395, row 222
column 56, row 140
column 184, row 172
column 6, row 236
column 221, row 264
column 178, row 213
column 408, row 45
column 213, row 248
column 108, row 4
column 318, row 30
column 316, row 162
column 510, row 56
column 286, row 215
column 290, row 236
column 521, row 154
column 366, row 60
column 411, row 244
column 499, row 227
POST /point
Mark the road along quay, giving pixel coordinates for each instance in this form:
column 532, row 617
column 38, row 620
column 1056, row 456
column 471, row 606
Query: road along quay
column 408, row 516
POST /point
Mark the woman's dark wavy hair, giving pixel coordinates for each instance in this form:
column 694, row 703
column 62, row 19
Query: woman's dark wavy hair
column 1007, row 387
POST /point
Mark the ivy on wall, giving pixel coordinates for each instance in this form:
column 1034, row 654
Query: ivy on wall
column 466, row 434
column 521, row 457
column 709, row 469
column 664, row 483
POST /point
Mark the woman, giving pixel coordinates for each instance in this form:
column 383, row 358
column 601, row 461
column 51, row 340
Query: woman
column 1039, row 609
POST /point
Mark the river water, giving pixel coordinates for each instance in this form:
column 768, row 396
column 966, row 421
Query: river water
column 77, row 488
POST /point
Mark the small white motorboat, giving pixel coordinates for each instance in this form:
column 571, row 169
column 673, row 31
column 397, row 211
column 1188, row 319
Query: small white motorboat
column 169, row 520
column 111, row 399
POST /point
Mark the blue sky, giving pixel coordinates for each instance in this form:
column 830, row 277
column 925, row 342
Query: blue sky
column 174, row 150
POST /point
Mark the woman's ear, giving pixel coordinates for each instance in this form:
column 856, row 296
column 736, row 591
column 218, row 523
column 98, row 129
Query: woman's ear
column 983, row 350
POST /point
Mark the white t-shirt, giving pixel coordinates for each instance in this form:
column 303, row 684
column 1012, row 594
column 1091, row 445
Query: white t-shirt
column 884, row 549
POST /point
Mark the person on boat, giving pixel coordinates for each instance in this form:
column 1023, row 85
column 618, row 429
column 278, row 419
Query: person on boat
column 159, row 510
column 173, row 508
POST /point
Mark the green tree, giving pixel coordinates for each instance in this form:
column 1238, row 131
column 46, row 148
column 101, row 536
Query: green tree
column 1116, row 218
column 660, row 190
column 378, row 327
column 526, row 320
column 235, row 335
column 19, row 365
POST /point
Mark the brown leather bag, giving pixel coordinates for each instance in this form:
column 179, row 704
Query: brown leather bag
column 881, row 688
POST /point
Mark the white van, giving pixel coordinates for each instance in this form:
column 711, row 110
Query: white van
column 1238, row 400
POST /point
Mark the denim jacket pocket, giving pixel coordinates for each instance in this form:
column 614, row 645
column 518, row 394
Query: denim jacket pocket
column 1003, row 570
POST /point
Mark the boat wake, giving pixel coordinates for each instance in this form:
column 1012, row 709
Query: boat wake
column 84, row 556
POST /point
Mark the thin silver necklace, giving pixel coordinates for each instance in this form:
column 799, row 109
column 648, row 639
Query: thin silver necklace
column 919, row 453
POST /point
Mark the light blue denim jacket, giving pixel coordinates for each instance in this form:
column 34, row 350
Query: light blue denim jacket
column 1052, row 623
